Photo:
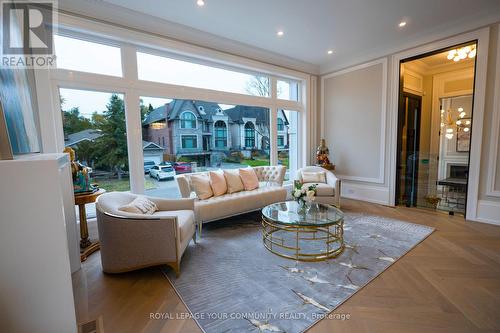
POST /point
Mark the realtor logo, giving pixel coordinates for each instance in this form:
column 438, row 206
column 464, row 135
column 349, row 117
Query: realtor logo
column 27, row 33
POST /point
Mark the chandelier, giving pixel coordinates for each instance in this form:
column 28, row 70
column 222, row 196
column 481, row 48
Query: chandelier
column 450, row 123
column 462, row 53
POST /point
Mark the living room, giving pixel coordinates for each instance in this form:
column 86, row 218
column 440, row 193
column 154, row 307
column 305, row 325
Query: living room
column 230, row 166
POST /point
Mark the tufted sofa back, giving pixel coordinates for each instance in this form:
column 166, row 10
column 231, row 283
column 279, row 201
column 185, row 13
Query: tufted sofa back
column 274, row 174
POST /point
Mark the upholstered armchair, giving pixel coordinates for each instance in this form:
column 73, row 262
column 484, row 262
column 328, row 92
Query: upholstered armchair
column 326, row 193
column 132, row 241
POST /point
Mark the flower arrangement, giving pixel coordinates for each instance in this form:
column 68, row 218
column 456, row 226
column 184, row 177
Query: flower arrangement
column 301, row 193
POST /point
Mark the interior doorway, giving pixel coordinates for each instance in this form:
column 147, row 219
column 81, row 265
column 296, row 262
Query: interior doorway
column 434, row 128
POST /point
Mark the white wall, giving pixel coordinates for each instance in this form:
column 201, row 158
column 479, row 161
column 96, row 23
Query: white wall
column 354, row 125
column 485, row 155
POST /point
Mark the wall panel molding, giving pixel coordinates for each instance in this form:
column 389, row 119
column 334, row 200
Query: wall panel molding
column 495, row 133
column 380, row 179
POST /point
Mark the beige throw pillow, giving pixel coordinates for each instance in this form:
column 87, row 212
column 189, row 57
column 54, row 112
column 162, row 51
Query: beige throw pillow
column 218, row 183
column 140, row 205
column 314, row 177
column 249, row 179
column 201, row 185
column 233, row 181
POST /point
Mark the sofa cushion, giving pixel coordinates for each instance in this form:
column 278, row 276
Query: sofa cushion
column 236, row 203
column 233, row 181
column 201, row 185
column 314, row 177
column 322, row 190
column 218, row 182
column 249, row 179
column 185, row 220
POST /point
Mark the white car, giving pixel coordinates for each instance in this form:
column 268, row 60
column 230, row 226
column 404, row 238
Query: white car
column 162, row 172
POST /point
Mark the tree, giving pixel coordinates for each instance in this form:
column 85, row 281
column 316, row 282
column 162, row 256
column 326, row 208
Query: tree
column 259, row 86
column 145, row 110
column 74, row 122
column 111, row 146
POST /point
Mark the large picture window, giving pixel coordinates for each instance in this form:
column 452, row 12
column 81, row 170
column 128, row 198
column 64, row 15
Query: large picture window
column 80, row 55
column 172, row 71
column 193, row 134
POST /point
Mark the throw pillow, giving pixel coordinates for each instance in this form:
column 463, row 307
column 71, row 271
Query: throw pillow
column 140, row 205
column 314, row 177
column 201, row 185
column 233, row 181
column 249, row 179
column 218, row 183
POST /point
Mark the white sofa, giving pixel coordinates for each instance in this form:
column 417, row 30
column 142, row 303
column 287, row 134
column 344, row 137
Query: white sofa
column 328, row 193
column 215, row 208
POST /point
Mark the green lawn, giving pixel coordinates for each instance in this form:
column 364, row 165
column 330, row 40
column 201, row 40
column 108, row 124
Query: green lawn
column 111, row 185
column 254, row 162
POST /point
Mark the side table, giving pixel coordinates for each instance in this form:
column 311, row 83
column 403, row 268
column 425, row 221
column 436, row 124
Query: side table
column 87, row 247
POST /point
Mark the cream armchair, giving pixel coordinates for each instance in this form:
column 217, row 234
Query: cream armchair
column 328, row 193
column 132, row 241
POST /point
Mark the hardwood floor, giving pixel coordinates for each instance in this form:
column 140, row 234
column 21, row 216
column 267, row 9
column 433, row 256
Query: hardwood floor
column 448, row 283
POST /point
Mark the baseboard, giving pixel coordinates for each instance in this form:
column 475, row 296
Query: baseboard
column 488, row 212
column 378, row 194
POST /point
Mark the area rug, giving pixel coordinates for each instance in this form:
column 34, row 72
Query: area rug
column 231, row 283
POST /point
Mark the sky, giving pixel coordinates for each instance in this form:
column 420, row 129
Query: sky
column 105, row 59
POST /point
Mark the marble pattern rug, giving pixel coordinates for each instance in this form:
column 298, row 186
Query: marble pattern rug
column 231, row 283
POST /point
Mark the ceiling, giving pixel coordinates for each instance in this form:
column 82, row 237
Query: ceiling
column 356, row 30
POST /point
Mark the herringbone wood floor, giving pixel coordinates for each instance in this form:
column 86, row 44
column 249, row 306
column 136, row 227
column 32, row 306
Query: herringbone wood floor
column 448, row 283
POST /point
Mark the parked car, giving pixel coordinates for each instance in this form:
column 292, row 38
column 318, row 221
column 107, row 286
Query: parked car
column 148, row 165
column 165, row 163
column 182, row 167
column 162, row 172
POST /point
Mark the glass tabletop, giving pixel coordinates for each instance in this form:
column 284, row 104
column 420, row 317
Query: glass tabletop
column 291, row 213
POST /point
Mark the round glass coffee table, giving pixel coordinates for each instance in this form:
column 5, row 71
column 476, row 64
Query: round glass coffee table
column 304, row 234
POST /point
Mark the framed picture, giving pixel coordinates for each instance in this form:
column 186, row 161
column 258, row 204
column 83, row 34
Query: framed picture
column 463, row 137
column 18, row 97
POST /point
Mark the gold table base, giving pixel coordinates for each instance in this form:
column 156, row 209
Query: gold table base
column 328, row 237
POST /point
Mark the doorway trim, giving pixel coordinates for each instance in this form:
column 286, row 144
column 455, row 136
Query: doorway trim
column 482, row 36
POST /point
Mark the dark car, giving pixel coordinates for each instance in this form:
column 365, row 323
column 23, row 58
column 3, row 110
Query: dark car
column 182, row 167
column 148, row 165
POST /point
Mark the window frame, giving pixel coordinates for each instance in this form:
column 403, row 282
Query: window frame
column 130, row 42
column 190, row 135
column 224, row 138
column 248, row 137
column 182, row 121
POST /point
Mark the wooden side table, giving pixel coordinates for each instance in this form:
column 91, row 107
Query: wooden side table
column 87, row 247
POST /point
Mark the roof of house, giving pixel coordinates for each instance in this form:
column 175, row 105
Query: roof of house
column 148, row 145
column 85, row 135
column 206, row 111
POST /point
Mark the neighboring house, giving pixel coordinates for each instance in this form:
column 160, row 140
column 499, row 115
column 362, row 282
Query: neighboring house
column 151, row 150
column 72, row 140
column 208, row 134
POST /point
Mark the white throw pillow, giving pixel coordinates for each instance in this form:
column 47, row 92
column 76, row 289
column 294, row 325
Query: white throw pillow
column 233, row 181
column 140, row 205
column 201, row 185
column 313, row 177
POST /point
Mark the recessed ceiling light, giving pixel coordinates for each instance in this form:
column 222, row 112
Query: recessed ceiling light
column 280, row 33
column 330, row 52
column 200, row 3
column 402, row 24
